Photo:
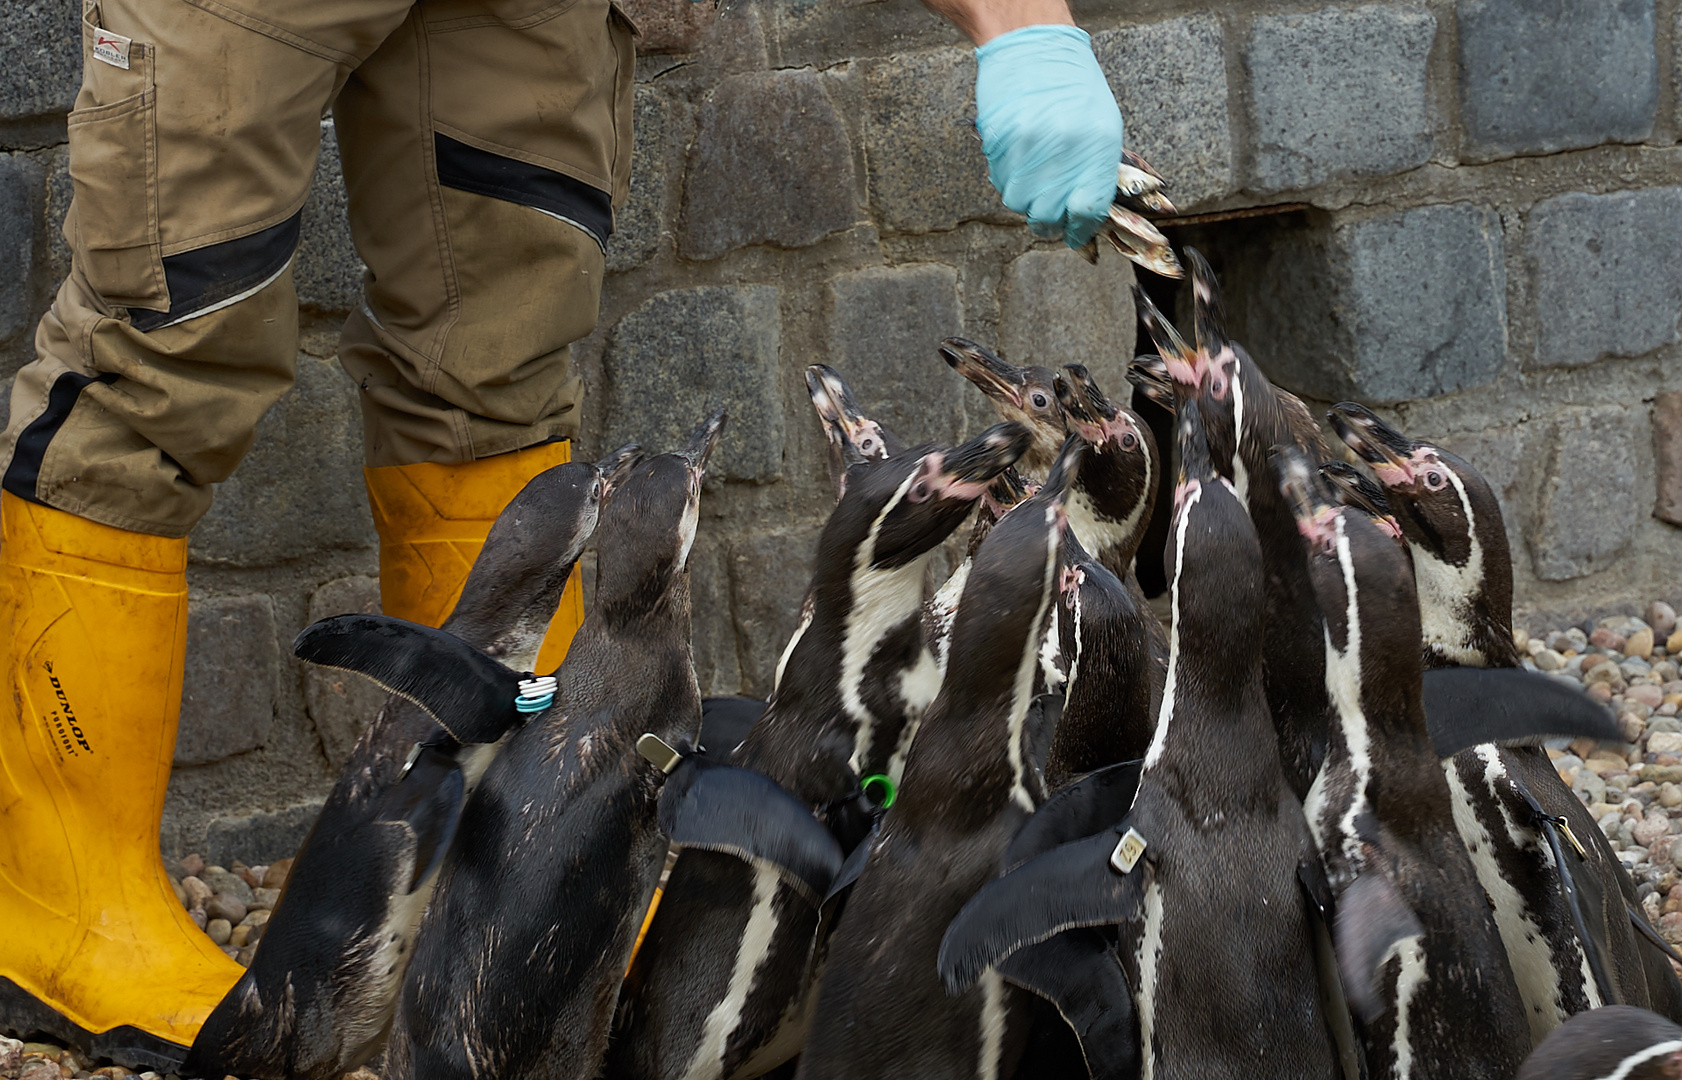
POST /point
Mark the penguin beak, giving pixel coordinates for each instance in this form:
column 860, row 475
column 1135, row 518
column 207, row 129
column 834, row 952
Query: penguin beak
column 1182, row 362
column 1316, row 518
column 1388, row 451
column 1008, row 490
column 859, row 437
column 1000, row 381
column 1150, row 375
column 617, row 466
column 1355, row 489
column 702, row 443
column 965, row 471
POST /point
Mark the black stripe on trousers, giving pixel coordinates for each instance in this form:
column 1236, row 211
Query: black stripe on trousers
column 468, row 168
column 206, row 276
column 25, row 469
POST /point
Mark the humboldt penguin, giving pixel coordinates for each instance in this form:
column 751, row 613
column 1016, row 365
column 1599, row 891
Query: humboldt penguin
column 318, row 997
column 1566, row 908
column 1223, row 980
column 970, row 783
column 1246, row 417
column 519, row 957
column 1618, row 1042
column 720, row 987
column 1114, row 646
column 852, row 436
column 1409, row 904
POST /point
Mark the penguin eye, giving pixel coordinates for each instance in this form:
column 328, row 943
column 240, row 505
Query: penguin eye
column 866, row 445
column 919, row 492
column 1218, row 387
column 1129, row 440
column 1434, row 480
column 1040, row 400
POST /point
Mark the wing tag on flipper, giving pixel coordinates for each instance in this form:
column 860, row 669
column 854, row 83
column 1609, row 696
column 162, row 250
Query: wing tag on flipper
column 744, row 813
column 1090, row 805
column 469, row 694
column 1465, row 707
column 1077, row 971
column 1583, row 894
column 1072, row 885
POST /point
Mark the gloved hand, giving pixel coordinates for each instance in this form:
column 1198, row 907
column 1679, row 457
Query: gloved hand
column 1050, row 128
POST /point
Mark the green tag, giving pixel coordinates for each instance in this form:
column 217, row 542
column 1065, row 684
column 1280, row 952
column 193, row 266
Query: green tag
column 880, row 782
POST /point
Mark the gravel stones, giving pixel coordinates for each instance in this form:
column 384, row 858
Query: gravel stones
column 275, row 876
column 219, row 931
column 224, row 906
column 11, row 1058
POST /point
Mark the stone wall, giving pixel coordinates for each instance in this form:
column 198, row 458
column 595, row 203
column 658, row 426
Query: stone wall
column 1467, row 212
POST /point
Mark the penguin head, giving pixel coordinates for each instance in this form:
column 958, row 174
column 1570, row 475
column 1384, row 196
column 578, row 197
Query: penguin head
column 1453, row 525
column 1358, row 491
column 853, row 437
column 515, row 584
column 1615, row 1041
column 902, row 508
column 1026, row 395
column 648, row 525
column 1357, row 569
column 1116, row 435
column 1010, row 591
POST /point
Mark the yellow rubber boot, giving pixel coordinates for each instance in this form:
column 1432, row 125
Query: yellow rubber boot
column 93, row 622
column 432, row 520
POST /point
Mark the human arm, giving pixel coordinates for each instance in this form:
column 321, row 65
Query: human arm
column 1048, row 121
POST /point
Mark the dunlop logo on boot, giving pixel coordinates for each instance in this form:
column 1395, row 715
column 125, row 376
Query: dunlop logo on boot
column 70, row 733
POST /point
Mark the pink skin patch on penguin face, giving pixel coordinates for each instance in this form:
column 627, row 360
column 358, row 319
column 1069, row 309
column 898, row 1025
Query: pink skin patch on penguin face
column 1069, row 584
column 1223, row 371
column 1320, row 530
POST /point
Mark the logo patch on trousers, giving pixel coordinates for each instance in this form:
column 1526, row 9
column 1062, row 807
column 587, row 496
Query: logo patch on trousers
column 111, row 48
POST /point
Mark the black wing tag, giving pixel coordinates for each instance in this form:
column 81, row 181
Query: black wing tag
column 1583, row 894
column 1465, row 707
column 744, row 813
column 1073, row 885
column 1090, row 805
column 469, row 694
column 1078, row 972
column 725, row 722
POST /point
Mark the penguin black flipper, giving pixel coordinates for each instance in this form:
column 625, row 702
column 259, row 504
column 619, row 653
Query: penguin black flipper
column 854, row 864
column 1069, row 886
column 1320, row 904
column 428, row 800
column 468, row 693
column 1583, row 893
column 1077, row 971
column 725, row 722
column 1372, row 918
column 746, row 814
column 1090, row 805
column 1645, row 929
column 1466, row 706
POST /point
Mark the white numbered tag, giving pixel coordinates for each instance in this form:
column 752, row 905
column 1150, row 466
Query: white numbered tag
column 1127, row 852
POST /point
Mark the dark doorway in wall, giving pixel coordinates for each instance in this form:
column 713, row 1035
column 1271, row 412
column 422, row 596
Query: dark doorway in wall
column 1261, row 257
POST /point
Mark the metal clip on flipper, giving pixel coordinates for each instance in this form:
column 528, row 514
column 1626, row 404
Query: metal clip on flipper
column 658, row 752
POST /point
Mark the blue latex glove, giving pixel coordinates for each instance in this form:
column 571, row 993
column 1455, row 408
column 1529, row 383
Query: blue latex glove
column 1050, row 128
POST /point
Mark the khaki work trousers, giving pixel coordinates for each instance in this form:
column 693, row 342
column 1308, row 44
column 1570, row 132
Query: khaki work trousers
column 485, row 144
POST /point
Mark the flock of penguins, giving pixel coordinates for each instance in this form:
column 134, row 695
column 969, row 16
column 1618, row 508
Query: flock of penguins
column 1007, row 827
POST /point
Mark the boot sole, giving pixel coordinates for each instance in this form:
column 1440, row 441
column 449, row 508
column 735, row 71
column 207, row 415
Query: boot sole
column 22, row 1015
